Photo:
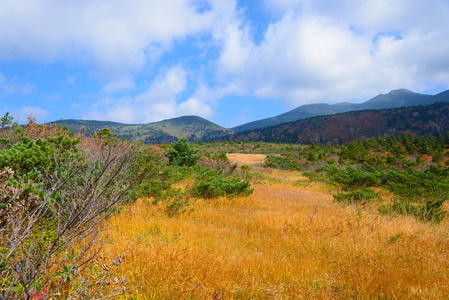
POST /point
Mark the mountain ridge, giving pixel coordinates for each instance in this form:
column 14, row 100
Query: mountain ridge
column 195, row 128
column 394, row 99
column 192, row 128
column 343, row 127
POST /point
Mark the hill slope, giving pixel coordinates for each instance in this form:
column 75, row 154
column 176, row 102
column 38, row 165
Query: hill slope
column 191, row 127
column 344, row 127
column 394, row 99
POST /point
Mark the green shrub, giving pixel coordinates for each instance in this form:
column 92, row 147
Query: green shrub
column 411, row 184
column 283, row 163
column 431, row 211
column 34, row 158
column 350, row 176
column 318, row 176
column 211, row 184
column 182, row 154
column 415, row 185
column 153, row 188
column 55, row 192
column 358, row 196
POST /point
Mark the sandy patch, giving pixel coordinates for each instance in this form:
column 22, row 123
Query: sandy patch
column 246, row 159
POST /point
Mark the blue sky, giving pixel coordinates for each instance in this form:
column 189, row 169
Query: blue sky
column 231, row 62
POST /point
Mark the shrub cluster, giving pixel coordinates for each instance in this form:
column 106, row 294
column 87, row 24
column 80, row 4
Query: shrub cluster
column 211, row 184
column 427, row 188
column 362, row 195
column 309, row 156
column 413, row 168
column 55, row 191
column 431, row 211
column 205, row 176
column 181, row 154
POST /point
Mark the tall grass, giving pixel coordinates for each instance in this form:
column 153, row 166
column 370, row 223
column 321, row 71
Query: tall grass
column 282, row 242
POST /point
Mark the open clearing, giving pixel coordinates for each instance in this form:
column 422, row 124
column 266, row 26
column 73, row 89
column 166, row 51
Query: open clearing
column 246, row 159
column 282, row 242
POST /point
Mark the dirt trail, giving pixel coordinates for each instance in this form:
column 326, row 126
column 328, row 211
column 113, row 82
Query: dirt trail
column 247, row 159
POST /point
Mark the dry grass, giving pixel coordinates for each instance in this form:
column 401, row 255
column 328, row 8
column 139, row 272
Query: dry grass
column 246, row 159
column 268, row 246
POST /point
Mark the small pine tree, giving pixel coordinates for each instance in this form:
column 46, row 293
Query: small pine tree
column 6, row 120
column 105, row 132
column 182, row 154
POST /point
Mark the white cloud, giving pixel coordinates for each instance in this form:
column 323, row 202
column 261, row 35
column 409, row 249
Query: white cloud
column 233, row 37
column 160, row 101
column 37, row 112
column 214, row 94
column 111, row 109
column 312, row 51
column 236, row 49
column 119, row 84
column 195, row 107
column 114, row 37
column 321, row 51
column 122, row 113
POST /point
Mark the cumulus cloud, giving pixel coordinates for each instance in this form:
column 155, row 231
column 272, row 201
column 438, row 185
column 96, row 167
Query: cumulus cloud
column 303, row 56
column 122, row 113
column 309, row 51
column 232, row 34
column 114, row 37
column 321, row 51
column 159, row 101
column 195, row 107
column 112, row 109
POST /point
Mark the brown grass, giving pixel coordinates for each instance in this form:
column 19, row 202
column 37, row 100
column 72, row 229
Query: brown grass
column 283, row 242
column 246, row 159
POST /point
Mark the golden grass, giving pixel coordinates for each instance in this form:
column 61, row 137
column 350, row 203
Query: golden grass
column 246, row 159
column 268, row 246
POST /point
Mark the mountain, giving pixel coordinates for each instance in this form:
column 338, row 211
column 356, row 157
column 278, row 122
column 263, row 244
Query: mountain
column 198, row 129
column 394, row 99
column 344, row 127
column 191, row 127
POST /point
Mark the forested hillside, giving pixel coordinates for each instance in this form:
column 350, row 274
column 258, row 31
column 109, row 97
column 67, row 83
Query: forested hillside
column 192, row 128
column 345, row 127
column 394, row 99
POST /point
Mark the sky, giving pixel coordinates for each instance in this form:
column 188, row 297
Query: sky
column 229, row 61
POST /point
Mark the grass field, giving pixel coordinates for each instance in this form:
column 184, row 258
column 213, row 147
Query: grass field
column 285, row 241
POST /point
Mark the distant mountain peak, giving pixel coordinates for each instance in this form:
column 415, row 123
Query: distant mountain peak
column 191, row 127
column 353, row 125
column 394, row 99
column 401, row 91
